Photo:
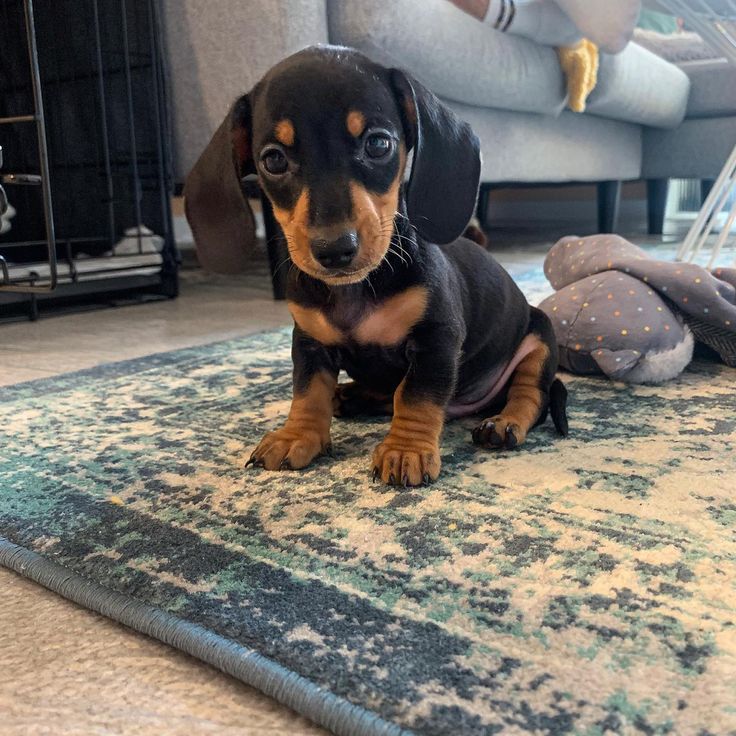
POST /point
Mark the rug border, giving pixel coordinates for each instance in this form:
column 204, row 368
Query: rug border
column 319, row 705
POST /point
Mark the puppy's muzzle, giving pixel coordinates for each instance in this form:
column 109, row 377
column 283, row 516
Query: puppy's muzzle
column 336, row 253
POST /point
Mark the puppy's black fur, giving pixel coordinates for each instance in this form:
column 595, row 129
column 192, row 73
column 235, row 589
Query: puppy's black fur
column 380, row 284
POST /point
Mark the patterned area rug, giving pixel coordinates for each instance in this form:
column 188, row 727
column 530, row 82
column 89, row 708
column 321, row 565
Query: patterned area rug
column 576, row 586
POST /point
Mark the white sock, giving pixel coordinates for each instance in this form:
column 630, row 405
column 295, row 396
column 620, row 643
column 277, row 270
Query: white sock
column 606, row 23
column 538, row 20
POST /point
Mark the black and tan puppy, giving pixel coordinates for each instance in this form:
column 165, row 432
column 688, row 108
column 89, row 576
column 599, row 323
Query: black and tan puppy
column 425, row 322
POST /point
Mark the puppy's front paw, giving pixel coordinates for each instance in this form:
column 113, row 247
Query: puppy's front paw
column 405, row 463
column 285, row 449
column 499, row 432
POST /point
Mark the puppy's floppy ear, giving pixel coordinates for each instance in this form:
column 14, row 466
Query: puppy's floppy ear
column 445, row 173
column 216, row 208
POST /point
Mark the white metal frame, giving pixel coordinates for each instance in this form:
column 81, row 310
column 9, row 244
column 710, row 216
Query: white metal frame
column 706, row 17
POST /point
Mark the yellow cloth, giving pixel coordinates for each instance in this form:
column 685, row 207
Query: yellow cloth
column 580, row 66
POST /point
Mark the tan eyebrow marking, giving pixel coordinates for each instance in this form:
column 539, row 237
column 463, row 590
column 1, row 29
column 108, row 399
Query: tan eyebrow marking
column 355, row 122
column 285, row 133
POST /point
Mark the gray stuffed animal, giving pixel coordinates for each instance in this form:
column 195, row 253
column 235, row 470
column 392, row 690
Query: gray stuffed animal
column 619, row 312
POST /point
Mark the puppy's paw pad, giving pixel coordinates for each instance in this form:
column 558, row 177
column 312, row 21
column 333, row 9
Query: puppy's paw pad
column 285, row 450
column 406, row 466
column 499, row 432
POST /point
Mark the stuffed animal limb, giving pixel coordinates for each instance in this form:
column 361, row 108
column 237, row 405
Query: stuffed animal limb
column 634, row 318
column 614, row 324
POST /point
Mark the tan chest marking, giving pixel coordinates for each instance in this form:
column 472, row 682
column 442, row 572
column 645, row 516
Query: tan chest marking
column 315, row 324
column 388, row 324
column 391, row 321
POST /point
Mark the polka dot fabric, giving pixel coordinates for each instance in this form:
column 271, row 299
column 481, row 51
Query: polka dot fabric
column 623, row 313
column 601, row 324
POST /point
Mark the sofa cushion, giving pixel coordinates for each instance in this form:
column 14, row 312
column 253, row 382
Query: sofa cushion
column 639, row 87
column 675, row 47
column 455, row 55
column 697, row 149
column 464, row 60
column 712, row 88
column 519, row 147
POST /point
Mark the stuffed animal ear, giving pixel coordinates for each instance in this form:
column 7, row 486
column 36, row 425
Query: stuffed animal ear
column 445, row 172
column 215, row 205
column 615, row 363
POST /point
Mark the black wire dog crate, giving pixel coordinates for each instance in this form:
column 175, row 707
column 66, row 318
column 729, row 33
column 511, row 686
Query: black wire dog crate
column 85, row 162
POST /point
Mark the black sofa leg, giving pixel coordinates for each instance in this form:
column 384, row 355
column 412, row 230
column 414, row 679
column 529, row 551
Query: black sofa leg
column 656, row 204
column 705, row 186
column 609, row 198
column 278, row 251
column 481, row 211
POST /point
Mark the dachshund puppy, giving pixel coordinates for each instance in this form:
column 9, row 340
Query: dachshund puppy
column 426, row 323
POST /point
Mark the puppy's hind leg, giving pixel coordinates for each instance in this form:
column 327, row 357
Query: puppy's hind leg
column 353, row 399
column 533, row 392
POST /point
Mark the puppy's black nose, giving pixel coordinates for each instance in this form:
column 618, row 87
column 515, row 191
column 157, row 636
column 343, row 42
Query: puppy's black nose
column 335, row 253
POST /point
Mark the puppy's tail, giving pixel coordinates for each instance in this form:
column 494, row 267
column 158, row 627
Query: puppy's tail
column 558, row 406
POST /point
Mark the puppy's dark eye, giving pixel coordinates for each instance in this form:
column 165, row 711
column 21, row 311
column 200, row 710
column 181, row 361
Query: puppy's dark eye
column 378, row 145
column 274, row 161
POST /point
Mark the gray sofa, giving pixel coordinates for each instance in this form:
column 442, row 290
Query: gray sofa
column 698, row 148
column 510, row 89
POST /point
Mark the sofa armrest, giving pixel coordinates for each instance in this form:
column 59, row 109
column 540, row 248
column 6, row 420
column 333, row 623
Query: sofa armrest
column 218, row 51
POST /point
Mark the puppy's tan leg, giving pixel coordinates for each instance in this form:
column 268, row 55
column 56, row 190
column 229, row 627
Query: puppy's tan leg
column 410, row 454
column 306, row 433
column 527, row 397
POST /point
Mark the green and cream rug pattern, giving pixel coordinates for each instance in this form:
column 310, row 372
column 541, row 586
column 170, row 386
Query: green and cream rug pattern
column 581, row 586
